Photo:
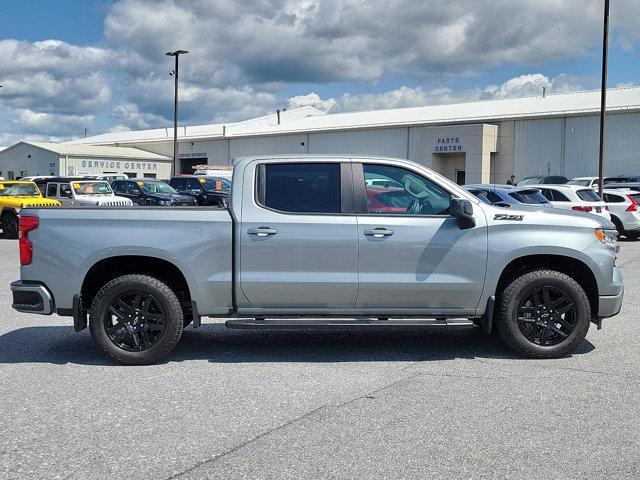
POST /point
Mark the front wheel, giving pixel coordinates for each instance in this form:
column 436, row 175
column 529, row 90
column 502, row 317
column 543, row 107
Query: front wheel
column 136, row 319
column 543, row 314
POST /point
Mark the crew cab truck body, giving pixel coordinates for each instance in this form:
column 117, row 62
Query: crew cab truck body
column 299, row 247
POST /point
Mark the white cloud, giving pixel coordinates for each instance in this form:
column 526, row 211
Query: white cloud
column 244, row 55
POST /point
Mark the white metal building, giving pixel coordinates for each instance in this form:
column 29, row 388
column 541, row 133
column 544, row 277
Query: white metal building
column 33, row 158
column 483, row 141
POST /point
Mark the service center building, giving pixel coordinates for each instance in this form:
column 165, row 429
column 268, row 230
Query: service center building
column 472, row 142
column 35, row 158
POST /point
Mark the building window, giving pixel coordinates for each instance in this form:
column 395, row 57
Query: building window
column 10, row 175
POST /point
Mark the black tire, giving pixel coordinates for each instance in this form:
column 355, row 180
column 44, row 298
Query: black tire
column 10, row 225
column 140, row 340
column 563, row 333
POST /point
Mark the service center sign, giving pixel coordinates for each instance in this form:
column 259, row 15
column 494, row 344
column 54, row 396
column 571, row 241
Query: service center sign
column 448, row 145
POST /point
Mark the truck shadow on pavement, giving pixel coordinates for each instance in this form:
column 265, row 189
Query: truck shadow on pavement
column 217, row 344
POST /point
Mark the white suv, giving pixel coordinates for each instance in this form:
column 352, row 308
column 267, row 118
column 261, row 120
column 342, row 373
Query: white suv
column 625, row 211
column 575, row 197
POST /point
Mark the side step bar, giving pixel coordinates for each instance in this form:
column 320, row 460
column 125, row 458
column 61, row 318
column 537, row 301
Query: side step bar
column 251, row 323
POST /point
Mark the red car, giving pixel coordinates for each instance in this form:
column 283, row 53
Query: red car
column 388, row 200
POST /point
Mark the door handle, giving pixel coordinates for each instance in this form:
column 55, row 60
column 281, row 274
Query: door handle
column 378, row 232
column 262, row 231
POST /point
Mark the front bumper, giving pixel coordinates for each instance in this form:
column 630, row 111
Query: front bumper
column 610, row 305
column 32, row 298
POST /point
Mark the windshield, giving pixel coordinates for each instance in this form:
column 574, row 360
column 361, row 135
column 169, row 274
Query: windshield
column 155, row 187
column 215, row 184
column 588, row 195
column 530, row 181
column 19, row 189
column 92, row 188
column 581, row 182
column 531, row 197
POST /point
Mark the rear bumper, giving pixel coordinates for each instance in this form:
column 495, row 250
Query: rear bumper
column 32, row 298
column 610, row 305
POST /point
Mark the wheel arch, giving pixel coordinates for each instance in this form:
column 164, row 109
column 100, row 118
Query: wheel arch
column 109, row 268
column 570, row 266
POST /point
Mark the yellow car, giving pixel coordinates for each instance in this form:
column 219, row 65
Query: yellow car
column 15, row 195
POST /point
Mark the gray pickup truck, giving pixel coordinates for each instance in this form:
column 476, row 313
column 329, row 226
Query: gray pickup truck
column 322, row 241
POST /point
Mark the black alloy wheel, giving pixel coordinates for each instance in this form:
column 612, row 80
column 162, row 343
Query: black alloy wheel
column 543, row 314
column 546, row 315
column 135, row 321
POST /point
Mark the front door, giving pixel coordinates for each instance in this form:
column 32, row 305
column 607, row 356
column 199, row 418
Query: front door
column 413, row 257
column 298, row 244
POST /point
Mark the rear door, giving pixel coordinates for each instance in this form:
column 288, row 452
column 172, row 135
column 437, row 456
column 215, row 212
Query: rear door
column 298, row 237
column 416, row 260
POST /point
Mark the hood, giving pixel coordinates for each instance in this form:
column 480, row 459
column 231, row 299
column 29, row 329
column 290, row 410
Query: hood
column 170, row 196
column 103, row 200
column 547, row 216
column 24, row 201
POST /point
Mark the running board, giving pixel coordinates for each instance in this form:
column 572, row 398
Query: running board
column 345, row 323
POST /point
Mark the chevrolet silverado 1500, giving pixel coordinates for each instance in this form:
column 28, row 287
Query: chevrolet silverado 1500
column 302, row 245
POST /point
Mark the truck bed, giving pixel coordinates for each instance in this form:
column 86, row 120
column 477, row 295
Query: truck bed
column 197, row 240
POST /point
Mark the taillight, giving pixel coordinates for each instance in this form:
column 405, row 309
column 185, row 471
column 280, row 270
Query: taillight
column 582, row 209
column 634, row 204
column 25, row 225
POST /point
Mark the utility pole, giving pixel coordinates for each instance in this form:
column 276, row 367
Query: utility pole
column 175, row 54
column 603, row 97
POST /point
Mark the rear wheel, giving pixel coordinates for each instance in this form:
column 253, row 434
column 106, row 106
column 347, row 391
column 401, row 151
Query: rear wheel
column 543, row 314
column 10, row 225
column 136, row 319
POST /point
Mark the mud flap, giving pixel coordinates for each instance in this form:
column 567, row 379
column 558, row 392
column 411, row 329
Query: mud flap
column 79, row 314
column 486, row 321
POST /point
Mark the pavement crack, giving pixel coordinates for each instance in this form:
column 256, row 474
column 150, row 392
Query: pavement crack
column 310, row 413
column 245, row 443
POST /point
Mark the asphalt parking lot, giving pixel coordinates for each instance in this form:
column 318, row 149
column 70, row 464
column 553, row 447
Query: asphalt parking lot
column 438, row 403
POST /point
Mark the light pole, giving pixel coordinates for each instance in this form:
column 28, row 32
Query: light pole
column 603, row 96
column 176, row 54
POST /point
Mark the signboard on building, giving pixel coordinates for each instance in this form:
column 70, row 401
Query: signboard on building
column 193, row 155
column 448, row 145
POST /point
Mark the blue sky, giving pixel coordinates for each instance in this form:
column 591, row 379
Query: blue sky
column 73, row 64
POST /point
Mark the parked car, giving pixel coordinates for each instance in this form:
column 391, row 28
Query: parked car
column 388, row 200
column 576, row 198
column 14, row 196
column 625, row 211
column 42, row 181
column 206, row 190
column 593, row 181
column 626, row 186
column 542, row 180
column 299, row 240
column 111, row 177
column 214, row 172
column 146, row 191
column 86, row 193
column 507, row 195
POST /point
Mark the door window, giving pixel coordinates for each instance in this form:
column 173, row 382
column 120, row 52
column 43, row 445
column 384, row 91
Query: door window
column 300, row 187
column 397, row 191
column 193, row 184
column 178, row 183
column 52, row 190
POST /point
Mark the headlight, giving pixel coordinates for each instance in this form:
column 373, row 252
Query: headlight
column 608, row 237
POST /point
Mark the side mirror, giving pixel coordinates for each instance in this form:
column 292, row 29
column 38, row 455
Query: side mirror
column 503, row 204
column 134, row 192
column 462, row 210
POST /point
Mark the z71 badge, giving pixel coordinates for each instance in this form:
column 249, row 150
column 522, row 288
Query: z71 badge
column 506, row 216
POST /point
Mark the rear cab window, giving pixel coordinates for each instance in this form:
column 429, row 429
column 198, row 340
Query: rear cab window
column 300, row 187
